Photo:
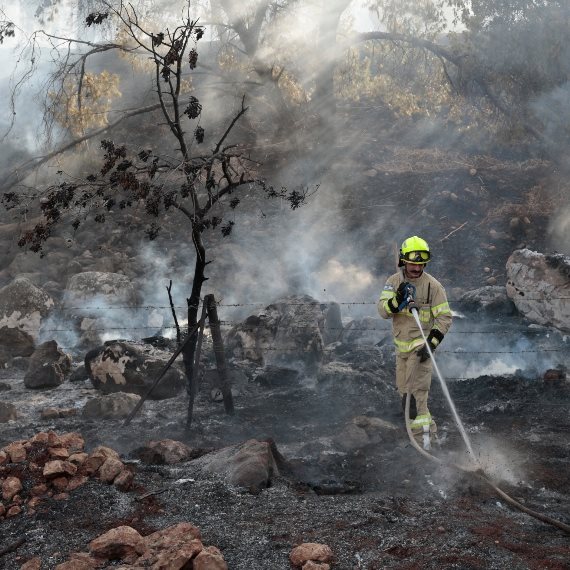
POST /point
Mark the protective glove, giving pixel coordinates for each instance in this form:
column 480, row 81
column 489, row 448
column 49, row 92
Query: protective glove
column 423, row 353
column 395, row 302
column 434, row 338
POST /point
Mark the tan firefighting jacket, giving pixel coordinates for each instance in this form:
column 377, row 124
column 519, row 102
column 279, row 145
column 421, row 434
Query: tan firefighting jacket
column 434, row 310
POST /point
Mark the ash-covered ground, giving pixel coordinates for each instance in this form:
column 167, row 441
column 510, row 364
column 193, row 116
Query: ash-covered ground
column 380, row 505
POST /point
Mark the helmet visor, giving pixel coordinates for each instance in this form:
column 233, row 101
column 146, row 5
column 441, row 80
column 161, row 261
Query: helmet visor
column 416, row 256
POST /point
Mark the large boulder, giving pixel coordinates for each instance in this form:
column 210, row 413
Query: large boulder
column 97, row 302
column 250, row 465
column 367, row 331
column 539, row 286
column 14, row 342
column 24, row 306
column 492, row 299
column 48, row 366
column 295, row 327
column 121, row 366
column 110, row 406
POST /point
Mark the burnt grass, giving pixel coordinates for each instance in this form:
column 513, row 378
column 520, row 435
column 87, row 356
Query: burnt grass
column 380, row 506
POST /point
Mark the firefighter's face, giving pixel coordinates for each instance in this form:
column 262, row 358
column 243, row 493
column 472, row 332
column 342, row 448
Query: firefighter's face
column 413, row 270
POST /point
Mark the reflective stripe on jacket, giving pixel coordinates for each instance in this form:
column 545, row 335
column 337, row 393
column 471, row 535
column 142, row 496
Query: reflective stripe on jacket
column 434, row 311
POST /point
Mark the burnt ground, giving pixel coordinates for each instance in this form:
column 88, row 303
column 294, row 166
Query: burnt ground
column 380, row 506
column 383, row 505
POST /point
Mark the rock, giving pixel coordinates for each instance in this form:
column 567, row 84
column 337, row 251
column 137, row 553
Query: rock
column 166, row 451
column 310, row 551
column 79, row 374
column 32, row 564
column 250, row 464
column 290, row 328
column 276, row 376
column 110, row 469
column 336, row 372
column 16, row 451
column 90, row 291
column 539, row 286
column 48, row 366
column 352, row 438
column 210, row 559
column 97, row 457
column 490, row 299
column 58, row 468
column 15, row 342
column 11, row 486
column 120, row 366
column 124, row 480
column 118, row 543
column 19, row 363
column 554, row 375
column 7, row 412
column 366, row 331
column 110, row 406
column 24, row 306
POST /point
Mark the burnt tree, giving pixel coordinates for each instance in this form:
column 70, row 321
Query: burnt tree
column 189, row 183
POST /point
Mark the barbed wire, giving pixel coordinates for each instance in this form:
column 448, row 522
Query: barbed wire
column 279, row 303
column 254, row 328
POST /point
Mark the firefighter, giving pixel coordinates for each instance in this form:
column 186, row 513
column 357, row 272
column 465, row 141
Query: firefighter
column 413, row 362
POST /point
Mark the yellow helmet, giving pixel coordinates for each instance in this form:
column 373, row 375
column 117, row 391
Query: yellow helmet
column 414, row 250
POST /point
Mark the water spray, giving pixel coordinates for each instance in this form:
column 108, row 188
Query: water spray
column 456, row 417
column 476, row 470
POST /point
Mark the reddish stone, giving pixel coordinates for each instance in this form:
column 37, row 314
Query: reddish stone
column 13, row 511
column 78, row 458
column 97, row 457
column 53, row 439
column 16, row 451
column 124, row 480
column 33, row 564
column 2, row 510
column 39, row 490
column 79, row 561
column 310, row 551
column 117, row 543
column 173, row 536
column 61, row 497
column 210, row 559
column 110, row 469
column 11, row 487
column 76, row 482
column 34, row 502
column 60, row 483
column 3, row 457
column 554, row 375
column 311, row 565
column 72, row 441
column 57, row 468
column 58, row 453
column 40, row 437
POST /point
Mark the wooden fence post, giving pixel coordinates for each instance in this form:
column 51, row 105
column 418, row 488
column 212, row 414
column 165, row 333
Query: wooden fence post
column 196, row 368
column 210, row 303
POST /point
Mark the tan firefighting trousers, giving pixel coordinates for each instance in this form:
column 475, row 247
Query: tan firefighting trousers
column 414, row 377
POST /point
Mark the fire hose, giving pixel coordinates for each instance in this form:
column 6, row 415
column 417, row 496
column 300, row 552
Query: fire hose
column 476, row 471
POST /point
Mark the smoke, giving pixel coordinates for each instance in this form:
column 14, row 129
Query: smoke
column 559, row 231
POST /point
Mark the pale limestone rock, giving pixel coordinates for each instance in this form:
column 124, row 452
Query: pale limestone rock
column 539, row 286
column 24, row 306
column 110, row 406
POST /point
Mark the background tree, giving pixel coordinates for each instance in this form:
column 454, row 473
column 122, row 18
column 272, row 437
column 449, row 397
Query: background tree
column 191, row 183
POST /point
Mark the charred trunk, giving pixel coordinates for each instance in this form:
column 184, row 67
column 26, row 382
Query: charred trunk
column 193, row 303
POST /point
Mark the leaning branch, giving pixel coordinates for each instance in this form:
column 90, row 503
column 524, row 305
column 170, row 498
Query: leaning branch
column 22, row 171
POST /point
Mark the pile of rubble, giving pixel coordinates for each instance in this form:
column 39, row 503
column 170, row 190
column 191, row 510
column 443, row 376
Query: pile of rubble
column 49, row 465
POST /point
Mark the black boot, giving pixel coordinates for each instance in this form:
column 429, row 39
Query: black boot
column 413, row 409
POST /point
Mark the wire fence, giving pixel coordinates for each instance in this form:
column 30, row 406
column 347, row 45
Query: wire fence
column 256, row 328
